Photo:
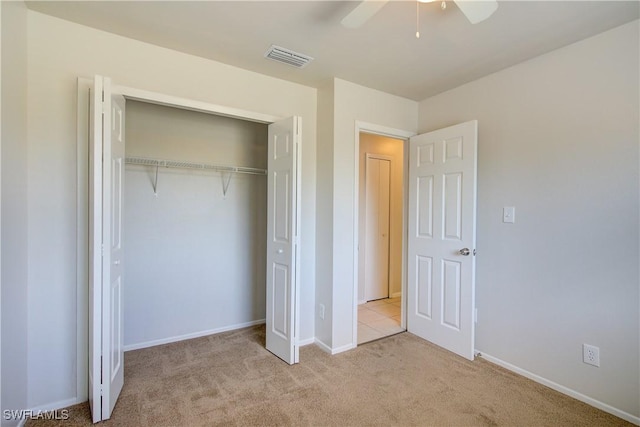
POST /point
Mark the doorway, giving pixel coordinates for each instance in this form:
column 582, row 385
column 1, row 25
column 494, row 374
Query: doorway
column 437, row 300
column 381, row 200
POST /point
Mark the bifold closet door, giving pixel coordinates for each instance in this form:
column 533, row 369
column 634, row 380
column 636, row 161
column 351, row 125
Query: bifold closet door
column 377, row 192
column 283, row 246
column 106, row 170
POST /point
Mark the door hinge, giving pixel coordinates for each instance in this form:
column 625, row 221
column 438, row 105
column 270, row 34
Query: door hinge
column 104, row 104
column 102, row 250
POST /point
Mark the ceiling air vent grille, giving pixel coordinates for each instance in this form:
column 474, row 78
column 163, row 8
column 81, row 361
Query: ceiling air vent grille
column 287, row 56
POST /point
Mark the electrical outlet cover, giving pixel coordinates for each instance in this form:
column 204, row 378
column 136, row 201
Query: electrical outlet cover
column 591, row 355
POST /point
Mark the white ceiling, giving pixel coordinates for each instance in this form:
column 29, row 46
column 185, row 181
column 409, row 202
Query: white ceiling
column 383, row 54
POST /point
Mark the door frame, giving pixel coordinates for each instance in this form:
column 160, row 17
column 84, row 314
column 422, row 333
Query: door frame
column 375, row 129
column 366, row 171
column 82, row 200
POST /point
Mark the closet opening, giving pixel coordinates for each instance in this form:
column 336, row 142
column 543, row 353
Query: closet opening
column 381, row 242
column 198, row 253
column 195, row 232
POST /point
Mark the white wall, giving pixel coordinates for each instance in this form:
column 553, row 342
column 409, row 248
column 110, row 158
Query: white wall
column 14, row 207
column 59, row 52
column 195, row 259
column 352, row 103
column 394, row 148
column 324, row 218
column 558, row 139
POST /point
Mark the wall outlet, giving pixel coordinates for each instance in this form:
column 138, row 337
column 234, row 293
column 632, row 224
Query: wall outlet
column 321, row 311
column 591, row 355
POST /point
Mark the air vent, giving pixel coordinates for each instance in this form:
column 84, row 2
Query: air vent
column 287, row 56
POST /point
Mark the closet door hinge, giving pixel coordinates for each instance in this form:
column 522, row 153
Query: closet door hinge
column 102, row 104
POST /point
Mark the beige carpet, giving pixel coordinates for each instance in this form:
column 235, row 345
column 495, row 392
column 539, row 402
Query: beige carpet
column 230, row 379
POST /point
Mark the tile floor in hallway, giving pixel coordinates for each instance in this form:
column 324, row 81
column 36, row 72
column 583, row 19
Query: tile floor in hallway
column 377, row 319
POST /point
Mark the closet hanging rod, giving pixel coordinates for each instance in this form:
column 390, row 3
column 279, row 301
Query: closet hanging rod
column 190, row 165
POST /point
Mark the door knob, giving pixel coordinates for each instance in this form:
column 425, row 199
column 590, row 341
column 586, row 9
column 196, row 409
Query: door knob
column 116, row 262
column 280, row 251
column 464, row 251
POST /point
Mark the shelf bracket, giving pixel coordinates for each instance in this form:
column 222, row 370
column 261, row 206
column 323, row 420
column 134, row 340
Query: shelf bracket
column 155, row 181
column 226, row 180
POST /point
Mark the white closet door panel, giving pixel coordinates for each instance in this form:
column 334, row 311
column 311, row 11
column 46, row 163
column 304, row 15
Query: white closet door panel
column 107, row 151
column 283, row 217
column 383, row 226
column 377, row 227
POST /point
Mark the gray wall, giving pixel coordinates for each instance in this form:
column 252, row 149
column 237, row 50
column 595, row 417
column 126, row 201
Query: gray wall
column 195, row 258
column 14, row 207
column 558, row 139
column 59, row 52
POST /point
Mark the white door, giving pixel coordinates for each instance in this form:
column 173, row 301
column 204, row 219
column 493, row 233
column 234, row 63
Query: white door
column 377, row 187
column 283, row 248
column 106, row 354
column 442, row 218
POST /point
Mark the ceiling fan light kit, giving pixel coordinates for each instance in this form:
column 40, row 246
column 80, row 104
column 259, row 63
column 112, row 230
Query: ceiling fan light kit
column 475, row 10
column 362, row 13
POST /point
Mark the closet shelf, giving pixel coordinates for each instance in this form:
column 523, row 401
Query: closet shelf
column 225, row 171
column 189, row 165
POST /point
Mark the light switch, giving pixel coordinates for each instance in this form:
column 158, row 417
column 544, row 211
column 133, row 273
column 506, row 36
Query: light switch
column 509, row 214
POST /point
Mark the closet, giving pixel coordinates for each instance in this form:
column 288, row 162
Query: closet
column 180, row 257
column 195, row 233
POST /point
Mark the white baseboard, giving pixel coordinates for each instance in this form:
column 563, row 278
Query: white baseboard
column 13, row 422
column 58, row 405
column 46, row 408
column 308, row 341
column 393, row 295
column 322, row 346
column 177, row 338
column 333, row 351
column 343, row 348
column 562, row 389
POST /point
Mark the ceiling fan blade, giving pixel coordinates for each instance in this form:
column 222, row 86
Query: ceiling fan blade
column 477, row 10
column 362, row 13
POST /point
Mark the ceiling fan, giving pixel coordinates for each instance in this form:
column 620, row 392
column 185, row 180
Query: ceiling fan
column 475, row 10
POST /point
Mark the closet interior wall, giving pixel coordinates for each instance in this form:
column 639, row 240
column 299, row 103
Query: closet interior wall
column 195, row 258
